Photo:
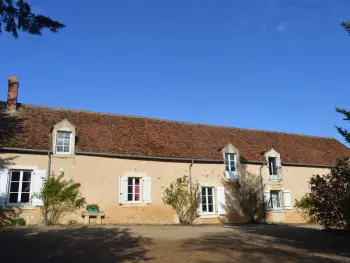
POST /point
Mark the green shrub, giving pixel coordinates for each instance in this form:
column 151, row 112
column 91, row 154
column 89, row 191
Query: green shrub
column 330, row 196
column 183, row 199
column 18, row 222
column 303, row 206
column 60, row 197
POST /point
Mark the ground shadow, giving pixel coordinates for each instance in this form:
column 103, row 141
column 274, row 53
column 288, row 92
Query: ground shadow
column 71, row 244
column 266, row 243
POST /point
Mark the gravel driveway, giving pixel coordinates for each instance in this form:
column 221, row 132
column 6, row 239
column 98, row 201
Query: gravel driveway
column 240, row 243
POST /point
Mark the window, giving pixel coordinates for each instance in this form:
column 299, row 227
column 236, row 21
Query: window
column 133, row 189
column 20, row 183
column 276, row 199
column 273, row 166
column 208, row 200
column 230, row 162
column 63, row 142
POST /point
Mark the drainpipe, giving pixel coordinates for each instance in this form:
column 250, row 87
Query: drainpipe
column 190, row 177
column 262, row 188
column 47, row 179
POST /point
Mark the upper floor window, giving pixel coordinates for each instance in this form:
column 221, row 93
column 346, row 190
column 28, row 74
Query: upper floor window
column 274, row 165
column 63, row 142
column 230, row 161
column 273, row 169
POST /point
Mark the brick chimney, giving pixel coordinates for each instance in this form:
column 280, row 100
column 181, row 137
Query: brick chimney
column 12, row 94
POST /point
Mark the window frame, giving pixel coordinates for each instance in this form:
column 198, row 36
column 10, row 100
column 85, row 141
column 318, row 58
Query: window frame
column 70, row 142
column 21, row 171
column 203, row 213
column 228, row 162
column 281, row 207
column 133, row 185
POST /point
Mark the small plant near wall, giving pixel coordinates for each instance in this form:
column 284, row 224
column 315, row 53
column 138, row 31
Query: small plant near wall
column 183, row 199
column 93, row 208
column 303, row 206
column 18, row 222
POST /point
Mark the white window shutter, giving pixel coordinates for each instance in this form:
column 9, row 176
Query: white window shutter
column 267, row 199
column 287, row 199
column 123, row 189
column 220, row 199
column 199, row 194
column 39, row 177
column 147, row 190
column 278, row 164
column 4, row 177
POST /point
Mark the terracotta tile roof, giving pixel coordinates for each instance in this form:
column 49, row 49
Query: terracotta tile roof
column 111, row 133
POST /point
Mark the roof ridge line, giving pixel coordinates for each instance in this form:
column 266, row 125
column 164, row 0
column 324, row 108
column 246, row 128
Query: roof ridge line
column 172, row 121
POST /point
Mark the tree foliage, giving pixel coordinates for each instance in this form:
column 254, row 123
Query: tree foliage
column 60, row 196
column 183, row 199
column 17, row 16
column 303, row 206
column 345, row 133
column 346, row 25
column 330, row 196
column 250, row 197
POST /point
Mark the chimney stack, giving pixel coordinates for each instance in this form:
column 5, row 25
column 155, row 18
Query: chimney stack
column 12, row 94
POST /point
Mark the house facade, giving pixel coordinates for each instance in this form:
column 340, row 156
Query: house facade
column 124, row 163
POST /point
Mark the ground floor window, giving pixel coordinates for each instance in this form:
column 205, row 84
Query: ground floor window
column 19, row 189
column 207, row 200
column 276, row 199
column 134, row 189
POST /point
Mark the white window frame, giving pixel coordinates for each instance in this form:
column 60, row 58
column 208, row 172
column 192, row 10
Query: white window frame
column 70, row 142
column 280, row 199
column 228, row 162
column 206, row 200
column 133, row 188
column 19, row 203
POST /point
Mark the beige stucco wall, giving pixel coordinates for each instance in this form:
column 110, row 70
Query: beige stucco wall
column 99, row 178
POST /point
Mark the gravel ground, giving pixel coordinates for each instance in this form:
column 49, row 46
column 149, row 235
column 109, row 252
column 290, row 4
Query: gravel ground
column 239, row 243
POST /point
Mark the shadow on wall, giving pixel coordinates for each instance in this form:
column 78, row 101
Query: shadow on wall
column 6, row 215
column 272, row 243
column 244, row 197
column 73, row 244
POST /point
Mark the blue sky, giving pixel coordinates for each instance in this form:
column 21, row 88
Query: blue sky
column 278, row 65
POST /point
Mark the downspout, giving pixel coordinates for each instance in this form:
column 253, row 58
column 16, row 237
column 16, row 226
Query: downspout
column 262, row 189
column 190, row 177
column 47, row 179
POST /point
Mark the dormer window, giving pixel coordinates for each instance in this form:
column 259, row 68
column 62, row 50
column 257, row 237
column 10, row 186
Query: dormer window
column 230, row 161
column 231, row 157
column 63, row 138
column 63, row 142
column 274, row 165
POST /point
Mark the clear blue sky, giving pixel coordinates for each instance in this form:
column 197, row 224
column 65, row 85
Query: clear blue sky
column 280, row 65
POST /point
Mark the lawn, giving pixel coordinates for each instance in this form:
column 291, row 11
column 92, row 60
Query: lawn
column 240, row 243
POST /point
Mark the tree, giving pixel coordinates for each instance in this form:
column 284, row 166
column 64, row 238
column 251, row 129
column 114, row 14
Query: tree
column 183, row 199
column 330, row 196
column 17, row 16
column 346, row 25
column 345, row 133
column 60, row 196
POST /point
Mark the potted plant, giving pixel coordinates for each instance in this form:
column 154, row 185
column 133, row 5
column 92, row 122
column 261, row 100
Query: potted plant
column 92, row 208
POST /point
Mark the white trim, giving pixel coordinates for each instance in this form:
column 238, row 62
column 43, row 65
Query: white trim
column 20, row 182
column 205, row 215
column 207, row 202
column 70, row 142
column 22, row 167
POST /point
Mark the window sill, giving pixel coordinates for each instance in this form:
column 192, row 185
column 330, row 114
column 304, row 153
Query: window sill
column 58, row 155
column 275, row 180
column 277, row 210
column 209, row 216
column 127, row 205
column 22, row 207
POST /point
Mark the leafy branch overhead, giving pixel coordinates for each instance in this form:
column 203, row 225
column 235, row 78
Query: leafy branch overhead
column 17, row 16
column 346, row 25
column 345, row 133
